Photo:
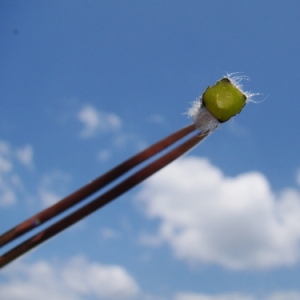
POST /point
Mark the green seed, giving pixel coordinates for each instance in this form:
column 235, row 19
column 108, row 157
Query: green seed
column 223, row 100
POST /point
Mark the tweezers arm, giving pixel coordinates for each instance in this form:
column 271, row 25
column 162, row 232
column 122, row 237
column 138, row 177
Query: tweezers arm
column 93, row 186
column 100, row 201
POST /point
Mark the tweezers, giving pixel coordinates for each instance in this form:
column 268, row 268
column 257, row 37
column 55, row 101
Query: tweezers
column 94, row 186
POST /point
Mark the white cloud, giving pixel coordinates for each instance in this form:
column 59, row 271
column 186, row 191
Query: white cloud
column 5, row 160
column 78, row 278
column 285, row 295
column 10, row 182
column 109, row 233
column 53, row 187
column 25, row 155
column 282, row 295
column 298, row 176
column 157, row 119
column 104, row 155
column 236, row 222
column 7, row 194
column 229, row 296
column 122, row 141
column 74, row 279
column 95, row 121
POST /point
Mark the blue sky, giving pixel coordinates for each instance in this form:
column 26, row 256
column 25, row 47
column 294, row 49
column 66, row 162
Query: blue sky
column 86, row 84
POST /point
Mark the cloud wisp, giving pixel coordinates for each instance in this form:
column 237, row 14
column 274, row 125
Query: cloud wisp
column 53, row 187
column 279, row 295
column 236, row 222
column 25, row 155
column 11, row 160
column 76, row 278
column 95, row 121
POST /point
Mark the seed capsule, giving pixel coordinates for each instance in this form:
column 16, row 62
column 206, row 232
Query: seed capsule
column 224, row 100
